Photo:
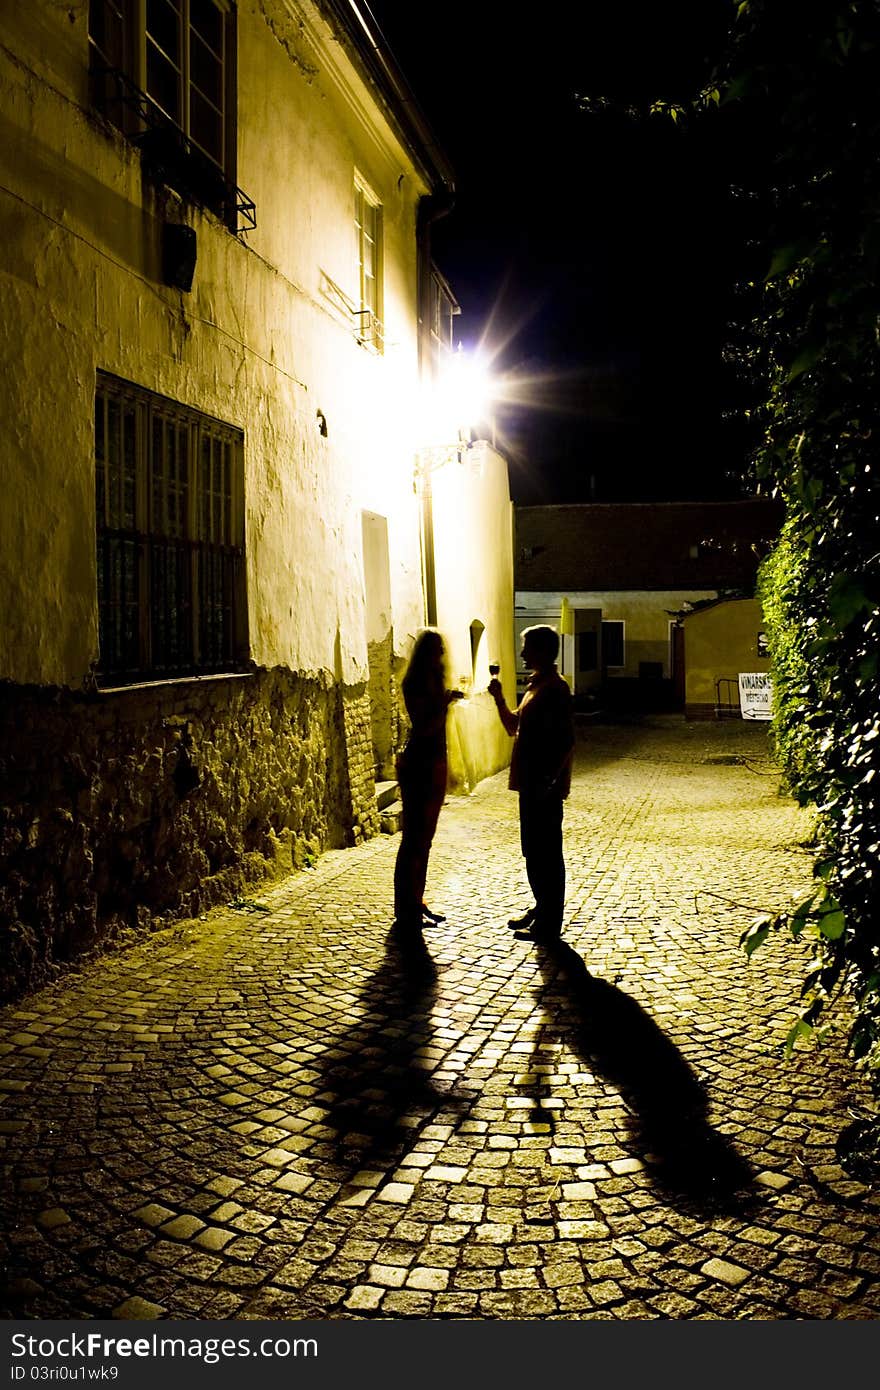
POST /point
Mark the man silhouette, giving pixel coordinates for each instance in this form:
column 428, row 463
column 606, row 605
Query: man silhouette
column 542, row 727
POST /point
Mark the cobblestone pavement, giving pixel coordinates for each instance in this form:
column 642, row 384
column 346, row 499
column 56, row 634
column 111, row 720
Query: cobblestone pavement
column 284, row 1114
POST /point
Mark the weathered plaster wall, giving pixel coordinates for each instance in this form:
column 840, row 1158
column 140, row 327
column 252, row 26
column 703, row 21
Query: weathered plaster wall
column 264, row 341
column 720, row 642
column 473, row 557
column 259, row 342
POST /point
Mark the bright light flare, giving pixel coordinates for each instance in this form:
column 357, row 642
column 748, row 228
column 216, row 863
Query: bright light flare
column 460, row 397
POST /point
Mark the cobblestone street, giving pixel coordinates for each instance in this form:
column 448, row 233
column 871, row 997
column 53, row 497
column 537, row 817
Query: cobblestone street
column 277, row 1112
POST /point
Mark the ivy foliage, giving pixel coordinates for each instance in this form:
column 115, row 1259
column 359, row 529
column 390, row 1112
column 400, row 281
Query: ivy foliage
column 791, row 118
column 801, row 82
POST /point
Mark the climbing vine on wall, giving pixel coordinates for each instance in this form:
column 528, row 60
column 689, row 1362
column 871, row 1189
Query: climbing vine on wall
column 807, row 77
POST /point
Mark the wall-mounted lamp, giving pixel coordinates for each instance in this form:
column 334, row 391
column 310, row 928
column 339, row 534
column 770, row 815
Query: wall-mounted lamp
column 458, row 402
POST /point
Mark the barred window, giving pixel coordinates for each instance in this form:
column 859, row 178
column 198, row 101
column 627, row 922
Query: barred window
column 169, row 494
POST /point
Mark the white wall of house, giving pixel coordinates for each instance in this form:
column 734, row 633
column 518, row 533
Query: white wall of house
column 646, row 615
column 473, row 557
column 261, row 342
column 163, row 796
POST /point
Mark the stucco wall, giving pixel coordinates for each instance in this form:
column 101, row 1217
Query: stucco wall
column 473, row 557
column 259, row 343
column 265, row 342
column 720, row 642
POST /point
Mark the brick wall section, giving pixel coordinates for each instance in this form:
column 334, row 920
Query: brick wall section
column 120, row 807
column 361, row 776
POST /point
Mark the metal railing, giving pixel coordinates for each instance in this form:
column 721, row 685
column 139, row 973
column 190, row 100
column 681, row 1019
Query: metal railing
column 168, row 154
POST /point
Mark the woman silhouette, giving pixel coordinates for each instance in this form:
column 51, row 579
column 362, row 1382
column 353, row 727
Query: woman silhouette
column 421, row 774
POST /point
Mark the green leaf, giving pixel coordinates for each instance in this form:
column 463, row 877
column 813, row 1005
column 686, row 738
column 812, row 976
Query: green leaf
column 800, row 1030
column 755, row 935
column 798, row 919
column 786, row 257
column 806, row 358
column 847, row 599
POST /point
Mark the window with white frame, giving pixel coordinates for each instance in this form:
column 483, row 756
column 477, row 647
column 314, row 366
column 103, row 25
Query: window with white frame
column 161, row 66
column 169, row 498
column 368, row 241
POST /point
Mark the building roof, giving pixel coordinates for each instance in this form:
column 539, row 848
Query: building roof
column 602, row 546
column 369, row 48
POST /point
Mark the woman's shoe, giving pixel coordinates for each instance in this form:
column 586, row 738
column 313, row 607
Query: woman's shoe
column 432, row 916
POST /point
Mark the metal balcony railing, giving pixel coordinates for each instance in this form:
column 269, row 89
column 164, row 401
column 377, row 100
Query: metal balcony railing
column 168, row 154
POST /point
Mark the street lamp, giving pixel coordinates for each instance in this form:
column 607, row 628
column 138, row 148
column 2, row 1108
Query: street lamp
column 457, row 401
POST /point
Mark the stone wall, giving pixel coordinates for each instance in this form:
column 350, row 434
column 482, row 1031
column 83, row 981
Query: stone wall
column 360, row 775
column 121, row 807
column 385, row 712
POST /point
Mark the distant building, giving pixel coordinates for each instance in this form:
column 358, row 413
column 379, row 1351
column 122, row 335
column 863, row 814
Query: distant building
column 617, row 576
column 722, row 641
column 219, row 308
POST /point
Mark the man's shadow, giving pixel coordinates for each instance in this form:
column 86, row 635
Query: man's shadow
column 376, row 1083
column 666, row 1103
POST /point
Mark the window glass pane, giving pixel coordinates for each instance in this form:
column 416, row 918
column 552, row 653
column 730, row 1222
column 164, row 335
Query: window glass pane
column 227, row 494
column 129, row 468
column 169, row 471
column 217, row 496
column 206, row 72
column 157, row 476
column 612, row 644
column 207, row 21
column 206, row 127
column 163, row 28
column 368, row 257
column 170, row 606
column 182, row 481
column 205, row 487
column 118, row 604
column 114, row 469
column 163, row 83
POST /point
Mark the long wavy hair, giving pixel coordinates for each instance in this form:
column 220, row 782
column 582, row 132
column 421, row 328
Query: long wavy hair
column 427, row 663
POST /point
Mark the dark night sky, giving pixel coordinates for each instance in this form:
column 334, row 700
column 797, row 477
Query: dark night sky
column 593, row 243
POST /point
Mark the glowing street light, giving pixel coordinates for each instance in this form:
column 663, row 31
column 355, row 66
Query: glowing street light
column 459, row 401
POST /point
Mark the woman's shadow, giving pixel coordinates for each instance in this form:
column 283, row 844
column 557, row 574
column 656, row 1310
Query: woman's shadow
column 376, row 1083
column 667, row 1104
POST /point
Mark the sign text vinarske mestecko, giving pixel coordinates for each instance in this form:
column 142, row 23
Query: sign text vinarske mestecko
column 755, row 695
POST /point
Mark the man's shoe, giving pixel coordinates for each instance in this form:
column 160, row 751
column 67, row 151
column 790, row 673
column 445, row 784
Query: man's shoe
column 538, row 931
column 522, row 923
column 407, row 925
